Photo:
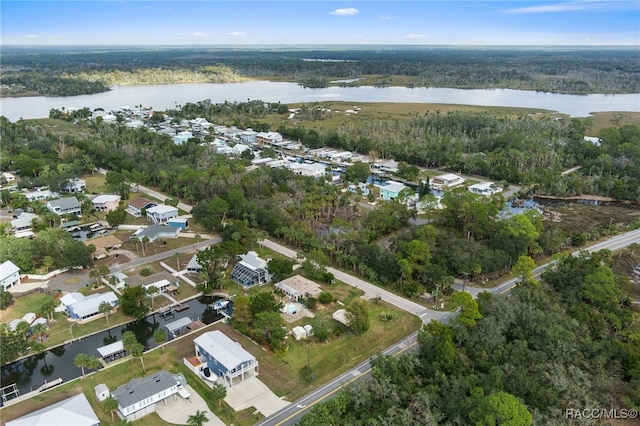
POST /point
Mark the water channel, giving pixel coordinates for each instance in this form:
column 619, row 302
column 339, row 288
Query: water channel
column 32, row 372
column 168, row 96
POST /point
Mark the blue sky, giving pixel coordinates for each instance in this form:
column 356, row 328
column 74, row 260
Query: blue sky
column 223, row 23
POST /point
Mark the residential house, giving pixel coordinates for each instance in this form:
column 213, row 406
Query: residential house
column 182, row 137
column 485, row 188
column 390, row 190
column 362, row 187
column 315, row 170
column 9, row 275
column 297, row 287
column 62, row 206
column 139, row 397
column 38, row 195
column 89, row 306
column 138, row 204
column 269, row 138
column 250, row 270
column 193, row 266
column 22, row 222
column 106, row 202
column 448, row 180
column 74, row 411
column 386, row 166
column 239, row 148
column 103, row 245
column 161, row 213
column 75, row 185
column 225, row 358
column 249, row 136
column 155, row 232
column 232, row 133
column 161, row 286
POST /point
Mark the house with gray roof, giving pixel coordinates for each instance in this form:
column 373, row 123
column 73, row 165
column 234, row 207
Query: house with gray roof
column 75, row 185
column 250, row 270
column 139, row 397
column 156, row 232
column 63, row 206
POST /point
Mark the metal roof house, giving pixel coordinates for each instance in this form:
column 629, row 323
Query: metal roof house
column 155, row 232
column 63, row 206
column 224, row 357
column 9, row 274
column 448, row 180
column 161, row 213
column 90, row 305
column 140, row 396
column 138, row 204
column 106, row 202
column 391, row 190
column 74, row 411
column 250, row 270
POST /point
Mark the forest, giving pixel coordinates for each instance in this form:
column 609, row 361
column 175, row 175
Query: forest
column 81, row 70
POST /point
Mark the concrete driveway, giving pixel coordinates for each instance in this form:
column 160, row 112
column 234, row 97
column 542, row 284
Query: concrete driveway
column 178, row 411
column 252, row 392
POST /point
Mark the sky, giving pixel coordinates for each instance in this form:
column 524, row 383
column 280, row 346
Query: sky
column 302, row 22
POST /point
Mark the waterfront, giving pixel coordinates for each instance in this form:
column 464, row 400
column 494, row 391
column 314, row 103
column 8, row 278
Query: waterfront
column 163, row 97
column 32, row 372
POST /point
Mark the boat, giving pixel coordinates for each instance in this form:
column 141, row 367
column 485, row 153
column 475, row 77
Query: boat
column 208, row 375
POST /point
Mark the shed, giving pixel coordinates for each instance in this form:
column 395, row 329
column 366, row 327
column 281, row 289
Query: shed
column 341, row 316
column 102, row 392
column 182, row 223
column 299, row 333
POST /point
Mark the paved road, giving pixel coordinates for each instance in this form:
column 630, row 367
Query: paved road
column 615, row 243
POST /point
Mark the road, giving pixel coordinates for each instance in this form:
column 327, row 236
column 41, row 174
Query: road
column 615, row 243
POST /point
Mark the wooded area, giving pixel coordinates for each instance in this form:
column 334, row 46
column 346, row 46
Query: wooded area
column 77, row 70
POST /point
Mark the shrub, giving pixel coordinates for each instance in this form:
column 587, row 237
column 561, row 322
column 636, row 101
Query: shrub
column 146, row 272
column 325, row 298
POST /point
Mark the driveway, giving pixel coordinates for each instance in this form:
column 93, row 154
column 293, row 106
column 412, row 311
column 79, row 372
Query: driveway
column 177, row 410
column 252, row 392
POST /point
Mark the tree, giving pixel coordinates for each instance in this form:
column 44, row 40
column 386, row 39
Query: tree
column 280, row 267
column 93, row 362
column 358, row 316
column 469, row 311
column 523, row 269
column 437, row 349
column 116, row 217
column 39, row 330
column 48, row 309
column 6, row 298
column 268, row 327
column 264, row 302
column 197, row 419
column 160, row 337
column 358, row 172
column 152, row 291
column 134, row 302
column 110, row 405
column 218, row 393
column 137, row 351
column 500, row 408
column 81, row 360
column 105, row 309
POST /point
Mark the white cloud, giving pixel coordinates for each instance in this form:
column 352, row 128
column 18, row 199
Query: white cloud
column 196, row 34
column 345, row 12
column 414, row 36
column 575, row 6
column 237, row 33
column 31, row 36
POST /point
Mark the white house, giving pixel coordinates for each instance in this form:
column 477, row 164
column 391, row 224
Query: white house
column 139, row 397
column 448, row 180
column 74, row 411
column 9, row 275
column 391, row 190
column 62, row 206
column 315, row 170
column 40, row 195
column 90, row 305
column 239, row 148
column 269, row 138
column 485, row 188
column 161, row 213
column 106, row 202
column 75, row 185
column 9, row 177
column 249, row 136
column 23, row 222
column 224, row 357
column 182, row 137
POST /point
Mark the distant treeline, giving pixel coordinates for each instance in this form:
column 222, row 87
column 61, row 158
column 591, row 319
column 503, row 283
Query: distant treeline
column 559, row 70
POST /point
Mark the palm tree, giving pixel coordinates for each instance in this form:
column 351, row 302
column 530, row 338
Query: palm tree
column 197, row 236
column 177, row 256
column 39, row 330
column 197, row 419
column 152, row 292
column 219, row 392
column 110, row 405
column 93, row 362
column 160, row 337
column 48, row 309
column 105, row 308
column 81, row 361
column 137, row 350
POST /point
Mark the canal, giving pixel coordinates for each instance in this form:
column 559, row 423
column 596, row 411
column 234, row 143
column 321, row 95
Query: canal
column 32, row 372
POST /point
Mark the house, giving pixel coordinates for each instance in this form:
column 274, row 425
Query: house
column 90, row 305
column 9, row 275
column 74, row 185
column 250, row 270
column 155, row 232
column 194, row 267
column 268, row 138
column 297, row 287
column 74, row 411
column 138, row 204
column 386, row 166
column 239, row 148
column 446, row 181
column 71, row 298
column 224, row 357
column 161, row 286
column 139, row 397
column 63, row 206
column 161, row 213
column 40, row 195
column 249, row 136
column 103, row 245
column 23, row 222
column 362, row 187
column 106, row 202
column 182, row 137
column 315, row 170
column 390, row 190
column 485, row 188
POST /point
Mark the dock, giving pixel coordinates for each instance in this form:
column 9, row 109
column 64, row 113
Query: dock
column 49, row 385
column 181, row 307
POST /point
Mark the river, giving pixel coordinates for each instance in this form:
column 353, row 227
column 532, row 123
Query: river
column 163, row 97
column 30, row 373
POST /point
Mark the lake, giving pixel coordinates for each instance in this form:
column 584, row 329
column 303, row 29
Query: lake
column 163, row 97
